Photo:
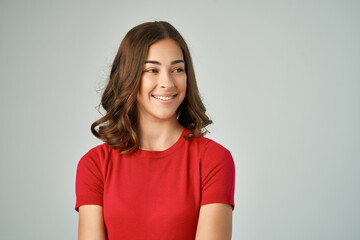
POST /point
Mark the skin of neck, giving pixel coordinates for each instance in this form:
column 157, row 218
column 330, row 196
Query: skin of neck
column 158, row 135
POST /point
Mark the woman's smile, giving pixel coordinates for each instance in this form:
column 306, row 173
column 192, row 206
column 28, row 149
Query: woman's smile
column 165, row 98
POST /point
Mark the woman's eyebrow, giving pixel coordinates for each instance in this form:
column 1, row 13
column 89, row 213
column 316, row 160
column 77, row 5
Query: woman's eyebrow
column 177, row 61
column 172, row 63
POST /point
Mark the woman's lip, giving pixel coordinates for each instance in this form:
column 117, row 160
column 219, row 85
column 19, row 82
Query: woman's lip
column 167, row 101
column 163, row 95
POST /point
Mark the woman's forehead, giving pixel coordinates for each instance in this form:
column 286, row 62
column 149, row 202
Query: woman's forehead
column 166, row 50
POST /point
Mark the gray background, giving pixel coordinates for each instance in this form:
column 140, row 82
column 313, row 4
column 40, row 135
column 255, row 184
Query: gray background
column 280, row 79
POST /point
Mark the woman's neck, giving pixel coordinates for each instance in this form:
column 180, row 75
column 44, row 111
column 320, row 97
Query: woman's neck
column 159, row 135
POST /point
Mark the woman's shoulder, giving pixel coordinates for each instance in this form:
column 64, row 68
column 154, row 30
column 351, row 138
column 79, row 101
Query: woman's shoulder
column 101, row 148
column 98, row 155
column 98, row 150
column 208, row 143
column 211, row 148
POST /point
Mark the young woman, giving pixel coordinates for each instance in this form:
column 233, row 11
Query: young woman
column 156, row 176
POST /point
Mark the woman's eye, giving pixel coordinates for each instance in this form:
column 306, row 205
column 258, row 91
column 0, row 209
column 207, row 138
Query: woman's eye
column 151, row 70
column 179, row 70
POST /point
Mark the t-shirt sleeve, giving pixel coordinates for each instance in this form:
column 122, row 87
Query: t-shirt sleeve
column 217, row 175
column 89, row 186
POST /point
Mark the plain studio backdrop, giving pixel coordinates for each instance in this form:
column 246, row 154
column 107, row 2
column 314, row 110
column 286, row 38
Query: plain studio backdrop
column 280, row 79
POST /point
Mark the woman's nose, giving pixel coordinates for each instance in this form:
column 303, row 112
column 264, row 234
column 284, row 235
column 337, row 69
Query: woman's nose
column 166, row 80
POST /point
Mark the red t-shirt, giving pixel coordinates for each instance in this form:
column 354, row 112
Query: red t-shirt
column 156, row 194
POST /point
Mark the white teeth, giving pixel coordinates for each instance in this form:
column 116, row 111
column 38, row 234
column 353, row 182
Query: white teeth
column 163, row 98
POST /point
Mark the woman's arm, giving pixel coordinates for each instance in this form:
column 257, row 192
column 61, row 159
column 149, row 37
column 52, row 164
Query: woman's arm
column 215, row 222
column 91, row 223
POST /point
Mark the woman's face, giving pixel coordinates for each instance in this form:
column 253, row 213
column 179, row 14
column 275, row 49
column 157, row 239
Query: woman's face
column 163, row 82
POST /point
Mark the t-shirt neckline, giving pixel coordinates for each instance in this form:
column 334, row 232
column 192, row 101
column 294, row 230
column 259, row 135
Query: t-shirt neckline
column 157, row 154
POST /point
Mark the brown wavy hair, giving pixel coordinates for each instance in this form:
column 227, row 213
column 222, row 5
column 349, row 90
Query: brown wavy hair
column 119, row 126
